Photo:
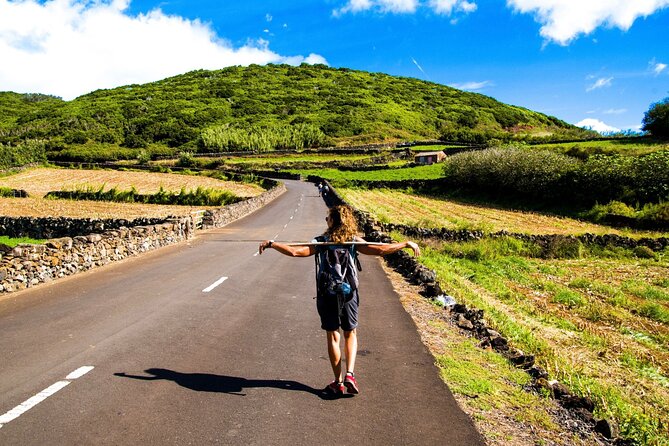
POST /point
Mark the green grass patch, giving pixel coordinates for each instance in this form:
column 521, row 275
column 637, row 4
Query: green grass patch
column 431, row 172
column 12, row 242
column 198, row 197
column 475, row 374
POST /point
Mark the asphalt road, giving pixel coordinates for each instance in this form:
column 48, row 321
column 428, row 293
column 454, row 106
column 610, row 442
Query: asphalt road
column 243, row 362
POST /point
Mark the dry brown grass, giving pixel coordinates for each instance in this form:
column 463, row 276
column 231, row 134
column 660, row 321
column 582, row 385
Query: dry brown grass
column 416, row 210
column 40, row 181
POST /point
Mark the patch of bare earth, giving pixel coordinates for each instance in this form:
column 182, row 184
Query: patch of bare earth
column 501, row 426
column 38, row 182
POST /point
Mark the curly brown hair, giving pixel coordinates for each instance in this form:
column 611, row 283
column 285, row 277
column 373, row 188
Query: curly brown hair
column 344, row 225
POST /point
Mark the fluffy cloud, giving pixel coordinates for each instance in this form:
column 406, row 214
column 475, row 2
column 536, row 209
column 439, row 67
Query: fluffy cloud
column 393, row 6
column 600, row 83
column 564, row 20
column 473, row 86
column 659, row 68
column 70, row 47
column 597, row 125
column 446, row 7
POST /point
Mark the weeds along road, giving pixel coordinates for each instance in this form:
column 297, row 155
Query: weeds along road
column 162, row 349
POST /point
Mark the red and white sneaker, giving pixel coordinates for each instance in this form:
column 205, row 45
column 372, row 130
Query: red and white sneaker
column 351, row 384
column 335, row 388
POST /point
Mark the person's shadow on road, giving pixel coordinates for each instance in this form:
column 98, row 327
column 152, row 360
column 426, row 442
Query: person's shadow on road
column 206, row 382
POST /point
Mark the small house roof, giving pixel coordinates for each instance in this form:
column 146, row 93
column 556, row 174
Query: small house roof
column 440, row 152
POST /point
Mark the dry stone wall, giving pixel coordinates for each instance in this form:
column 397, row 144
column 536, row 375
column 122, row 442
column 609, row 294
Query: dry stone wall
column 28, row 265
column 85, row 244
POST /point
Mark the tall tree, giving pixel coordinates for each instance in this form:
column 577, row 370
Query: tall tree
column 656, row 119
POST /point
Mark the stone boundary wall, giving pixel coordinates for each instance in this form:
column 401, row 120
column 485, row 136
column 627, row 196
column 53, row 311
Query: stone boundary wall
column 100, row 242
column 15, row 193
column 47, row 227
column 28, row 265
column 543, row 240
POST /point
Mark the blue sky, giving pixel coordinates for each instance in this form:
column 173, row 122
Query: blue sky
column 597, row 62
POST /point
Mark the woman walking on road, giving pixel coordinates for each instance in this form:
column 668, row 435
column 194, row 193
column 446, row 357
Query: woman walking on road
column 337, row 297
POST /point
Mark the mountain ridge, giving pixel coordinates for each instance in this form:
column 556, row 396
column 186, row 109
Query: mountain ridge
column 341, row 106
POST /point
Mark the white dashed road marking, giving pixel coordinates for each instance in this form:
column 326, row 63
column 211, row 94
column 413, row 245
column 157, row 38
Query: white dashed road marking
column 44, row 394
column 215, row 284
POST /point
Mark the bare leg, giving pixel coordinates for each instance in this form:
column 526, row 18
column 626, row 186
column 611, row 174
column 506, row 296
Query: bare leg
column 351, row 348
column 334, row 352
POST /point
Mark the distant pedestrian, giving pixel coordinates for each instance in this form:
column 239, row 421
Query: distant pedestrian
column 338, row 306
column 320, row 189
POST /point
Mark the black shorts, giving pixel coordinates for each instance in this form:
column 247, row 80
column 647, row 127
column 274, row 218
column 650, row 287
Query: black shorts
column 328, row 310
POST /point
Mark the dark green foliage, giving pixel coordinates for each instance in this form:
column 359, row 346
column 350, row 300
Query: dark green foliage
column 644, row 252
column 553, row 177
column 656, row 119
column 563, row 248
column 336, row 106
column 22, row 153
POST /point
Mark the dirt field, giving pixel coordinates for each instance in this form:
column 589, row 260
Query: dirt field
column 37, row 182
column 40, row 181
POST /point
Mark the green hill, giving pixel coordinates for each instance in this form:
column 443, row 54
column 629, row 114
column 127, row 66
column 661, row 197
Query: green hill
column 265, row 107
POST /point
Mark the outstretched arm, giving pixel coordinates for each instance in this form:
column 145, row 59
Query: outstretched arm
column 388, row 248
column 288, row 250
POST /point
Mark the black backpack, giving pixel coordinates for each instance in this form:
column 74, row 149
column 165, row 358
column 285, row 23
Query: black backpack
column 337, row 269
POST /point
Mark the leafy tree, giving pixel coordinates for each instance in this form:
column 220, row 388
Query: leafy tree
column 656, row 119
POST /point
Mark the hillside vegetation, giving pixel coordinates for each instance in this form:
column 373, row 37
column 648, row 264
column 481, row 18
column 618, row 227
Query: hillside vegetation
column 263, row 108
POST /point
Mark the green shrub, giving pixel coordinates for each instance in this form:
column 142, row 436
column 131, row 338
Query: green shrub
column 20, row 154
column 186, row 159
column 569, row 298
column 644, row 252
column 563, row 248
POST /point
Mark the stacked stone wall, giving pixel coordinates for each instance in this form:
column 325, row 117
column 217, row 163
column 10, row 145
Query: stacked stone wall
column 77, row 245
column 28, row 265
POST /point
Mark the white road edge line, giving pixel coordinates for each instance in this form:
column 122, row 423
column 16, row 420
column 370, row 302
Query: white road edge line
column 215, row 284
column 81, row 371
column 44, row 394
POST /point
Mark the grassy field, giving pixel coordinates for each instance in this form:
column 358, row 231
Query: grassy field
column 37, row 182
column 418, row 210
column 623, row 146
column 431, row 172
column 598, row 323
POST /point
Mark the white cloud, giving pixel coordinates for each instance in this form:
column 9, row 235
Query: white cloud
column 392, row 6
column 564, row 20
column 71, row 47
column 615, row 111
column 600, row 83
column 597, row 126
column 659, row 68
column 445, row 7
column 314, row 59
column 473, row 86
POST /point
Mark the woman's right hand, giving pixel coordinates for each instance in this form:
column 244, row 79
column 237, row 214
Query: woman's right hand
column 415, row 248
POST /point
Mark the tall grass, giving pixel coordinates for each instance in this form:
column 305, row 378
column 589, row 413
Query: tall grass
column 262, row 139
column 198, row 197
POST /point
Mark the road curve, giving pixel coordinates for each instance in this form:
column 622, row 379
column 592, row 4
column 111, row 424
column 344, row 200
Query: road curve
column 208, row 343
